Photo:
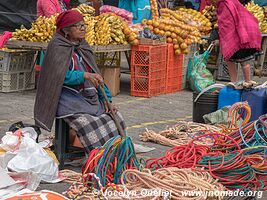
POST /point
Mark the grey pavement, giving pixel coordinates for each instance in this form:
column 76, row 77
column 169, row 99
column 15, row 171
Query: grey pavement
column 139, row 113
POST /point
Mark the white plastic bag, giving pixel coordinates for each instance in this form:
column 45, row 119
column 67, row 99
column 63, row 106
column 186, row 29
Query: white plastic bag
column 11, row 141
column 32, row 157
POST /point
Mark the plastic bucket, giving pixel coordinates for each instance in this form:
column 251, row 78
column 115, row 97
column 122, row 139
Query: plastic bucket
column 205, row 104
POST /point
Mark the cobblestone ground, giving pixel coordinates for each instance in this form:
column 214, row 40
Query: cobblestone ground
column 154, row 113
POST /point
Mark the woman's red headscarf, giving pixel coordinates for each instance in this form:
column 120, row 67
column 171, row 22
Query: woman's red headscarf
column 68, row 18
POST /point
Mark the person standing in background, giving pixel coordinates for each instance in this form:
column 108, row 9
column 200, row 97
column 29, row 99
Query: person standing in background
column 261, row 2
column 239, row 36
column 48, row 8
column 111, row 2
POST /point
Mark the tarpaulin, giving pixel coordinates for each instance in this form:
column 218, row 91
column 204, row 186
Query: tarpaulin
column 14, row 13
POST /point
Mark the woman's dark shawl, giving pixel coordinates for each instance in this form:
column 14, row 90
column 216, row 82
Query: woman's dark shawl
column 56, row 63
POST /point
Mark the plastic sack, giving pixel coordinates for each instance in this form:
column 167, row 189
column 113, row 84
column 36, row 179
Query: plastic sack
column 217, row 117
column 4, row 38
column 128, row 16
column 11, row 141
column 199, row 76
column 40, row 195
column 32, row 157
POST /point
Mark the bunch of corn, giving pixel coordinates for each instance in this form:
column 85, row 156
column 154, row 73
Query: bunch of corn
column 42, row 30
column 90, row 29
column 85, row 9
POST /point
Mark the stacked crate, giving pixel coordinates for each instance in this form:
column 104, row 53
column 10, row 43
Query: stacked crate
column 174, row 71
column 109, row 64
column 148, row 70
column 16, row 71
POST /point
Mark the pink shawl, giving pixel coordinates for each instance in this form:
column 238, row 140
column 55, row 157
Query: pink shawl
column 48, row 7
column 238, row 29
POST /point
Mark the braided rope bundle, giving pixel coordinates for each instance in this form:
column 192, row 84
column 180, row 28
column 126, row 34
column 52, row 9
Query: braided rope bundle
column 240, row 110
column 70, row 176
column 232, row 170
column 179, row 134
column 185, row 156
column 253, row 134
column 109, row 161
column 174, row 180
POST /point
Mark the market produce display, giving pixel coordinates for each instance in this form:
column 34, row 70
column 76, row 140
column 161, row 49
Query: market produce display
column 258, row 12
column 210, row 13
column 182, row 27
column 126, row 15
column 85, row 9
column 154, row 9
column 105, row 29
column 90, row 36
column 42, row 30
column 111, row 29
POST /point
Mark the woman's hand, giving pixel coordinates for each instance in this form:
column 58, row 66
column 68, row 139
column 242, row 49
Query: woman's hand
column 114, row 108
column 94, row 78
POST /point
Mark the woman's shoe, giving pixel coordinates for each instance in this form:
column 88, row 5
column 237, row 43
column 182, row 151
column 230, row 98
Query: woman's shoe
column 236, row 86
column 249, row 84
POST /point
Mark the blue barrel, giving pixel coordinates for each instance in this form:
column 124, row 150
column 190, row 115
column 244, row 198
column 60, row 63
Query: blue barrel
column 228, row 96
column 257, row 99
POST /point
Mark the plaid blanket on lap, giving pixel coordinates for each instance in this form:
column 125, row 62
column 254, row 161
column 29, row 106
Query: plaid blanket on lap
column 94, row 131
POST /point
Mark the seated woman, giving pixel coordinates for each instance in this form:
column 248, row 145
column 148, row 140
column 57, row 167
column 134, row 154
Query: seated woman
column 68, row 86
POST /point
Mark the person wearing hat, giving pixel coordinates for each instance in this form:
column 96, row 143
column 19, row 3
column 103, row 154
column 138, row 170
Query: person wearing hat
column 68, row 85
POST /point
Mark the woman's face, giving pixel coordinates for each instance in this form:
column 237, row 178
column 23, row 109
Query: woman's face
column 77, row 31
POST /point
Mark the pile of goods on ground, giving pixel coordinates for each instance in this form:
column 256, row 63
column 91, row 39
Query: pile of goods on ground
column 258, row 12
column 210, row 13
column 182, row 27
column 105, row 29
column 222, row 158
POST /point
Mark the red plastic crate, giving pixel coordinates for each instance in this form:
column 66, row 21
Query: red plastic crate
column 148, row 70
column 147, row 55
column 174, row 71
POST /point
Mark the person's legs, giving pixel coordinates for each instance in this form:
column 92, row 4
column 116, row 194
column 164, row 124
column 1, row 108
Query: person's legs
column 232, row 71
column 246, row 71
